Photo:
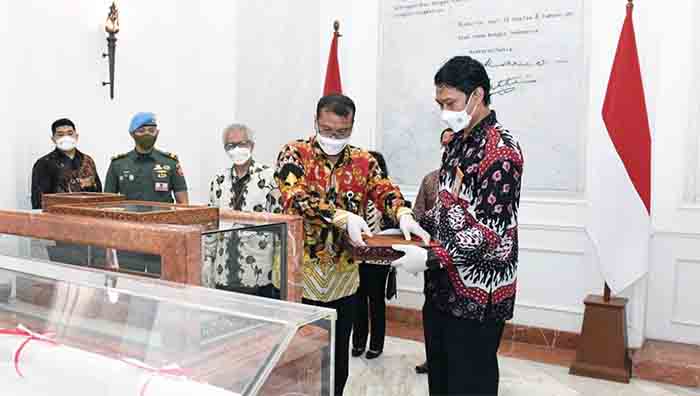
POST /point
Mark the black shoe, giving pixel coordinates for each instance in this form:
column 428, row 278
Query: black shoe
column 356, row 352
column 372, row 354
column 422, row 368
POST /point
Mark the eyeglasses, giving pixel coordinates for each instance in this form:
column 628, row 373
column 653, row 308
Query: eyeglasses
column 233, row 145
column 335, row 133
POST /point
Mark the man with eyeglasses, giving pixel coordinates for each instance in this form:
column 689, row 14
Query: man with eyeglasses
column 243, row 261
column 328, row 183
column 144, row 173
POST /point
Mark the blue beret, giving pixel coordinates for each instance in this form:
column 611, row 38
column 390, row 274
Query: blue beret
column 141, row 119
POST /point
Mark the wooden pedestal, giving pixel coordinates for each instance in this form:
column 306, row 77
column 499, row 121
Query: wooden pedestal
column 602, row 348
column 49, row 200
column 144, row 212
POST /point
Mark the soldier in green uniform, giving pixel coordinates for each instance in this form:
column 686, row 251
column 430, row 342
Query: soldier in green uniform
column 146, row 174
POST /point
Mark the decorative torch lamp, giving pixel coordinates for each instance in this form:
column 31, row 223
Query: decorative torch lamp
column 112, row 28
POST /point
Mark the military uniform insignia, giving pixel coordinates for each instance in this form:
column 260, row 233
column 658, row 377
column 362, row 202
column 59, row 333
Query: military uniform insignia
column 119, row 156
column 170, row 155
column 160, row 172
column 179, row 170
column 162, row 187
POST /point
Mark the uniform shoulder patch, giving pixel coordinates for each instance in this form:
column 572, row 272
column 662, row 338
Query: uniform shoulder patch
column 119, row 156
column 170, row 155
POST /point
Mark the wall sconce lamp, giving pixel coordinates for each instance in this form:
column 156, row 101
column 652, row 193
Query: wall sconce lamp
column 112, row 28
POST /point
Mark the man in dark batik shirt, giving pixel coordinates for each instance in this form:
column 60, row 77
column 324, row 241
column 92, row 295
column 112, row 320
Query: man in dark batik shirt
column 471, row 276
column 65, row 169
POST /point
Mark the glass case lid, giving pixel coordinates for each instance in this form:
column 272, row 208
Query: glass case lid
column 154, row 323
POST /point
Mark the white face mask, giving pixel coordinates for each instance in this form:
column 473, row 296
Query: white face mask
column 457, row 120
column 332, row 146
column 239, row 155
column 66, row 143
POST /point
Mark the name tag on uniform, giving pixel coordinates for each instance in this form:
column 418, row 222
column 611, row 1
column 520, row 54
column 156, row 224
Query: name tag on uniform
column 457, row 185
column 162, row 187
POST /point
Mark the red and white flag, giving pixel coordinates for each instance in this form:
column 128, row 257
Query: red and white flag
column 620, row 220
column 332, row 84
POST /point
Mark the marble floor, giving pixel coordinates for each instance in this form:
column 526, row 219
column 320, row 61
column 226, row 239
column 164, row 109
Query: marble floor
column 393, row 374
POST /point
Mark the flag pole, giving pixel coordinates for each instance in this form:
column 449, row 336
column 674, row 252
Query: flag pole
column 606, row 288
column 602, row 346
column 336, row 27
column 332, row 84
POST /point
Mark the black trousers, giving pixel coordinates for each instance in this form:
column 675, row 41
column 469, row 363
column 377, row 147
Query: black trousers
column 371, row 303
column 345, row 308
column 267, row 291
column 462, row 356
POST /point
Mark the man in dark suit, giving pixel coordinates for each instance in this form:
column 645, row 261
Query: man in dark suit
column 65, row 169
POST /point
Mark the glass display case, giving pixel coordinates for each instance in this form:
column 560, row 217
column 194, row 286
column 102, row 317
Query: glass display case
column 243, row 253
column 49, row 200
column 143, row 212
column 67, row 330
column 247, row 258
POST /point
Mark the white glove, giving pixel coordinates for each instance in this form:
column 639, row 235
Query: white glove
column 356, row 227
column 414, row 261
column 409, row 226
column 390, row 231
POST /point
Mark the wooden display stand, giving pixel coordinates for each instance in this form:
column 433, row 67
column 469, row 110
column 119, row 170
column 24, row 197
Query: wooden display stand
column 49, row 200
column 144, row 212
column 602, row 348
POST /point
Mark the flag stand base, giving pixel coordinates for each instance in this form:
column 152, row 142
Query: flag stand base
column 602, row 348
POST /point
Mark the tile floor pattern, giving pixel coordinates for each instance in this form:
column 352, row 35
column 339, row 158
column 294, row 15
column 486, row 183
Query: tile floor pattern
column 393, row 374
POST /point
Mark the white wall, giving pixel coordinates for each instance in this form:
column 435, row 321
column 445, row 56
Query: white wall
column 357, row 53
column 175, row 58
column 7, row 182
column 557, row 267
column 674, row 295
column 277, row 77
column 199, row 65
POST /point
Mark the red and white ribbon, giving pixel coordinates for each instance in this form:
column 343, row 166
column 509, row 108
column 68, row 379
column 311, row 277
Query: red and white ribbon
column 22, row 331
column 171, row 371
